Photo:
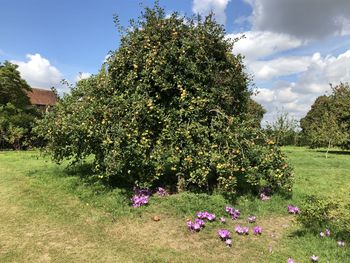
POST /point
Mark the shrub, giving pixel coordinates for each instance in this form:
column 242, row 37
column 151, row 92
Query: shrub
column 319, row 212
column 169, row 108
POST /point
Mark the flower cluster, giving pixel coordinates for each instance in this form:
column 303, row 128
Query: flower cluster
column 162, row 192
column 290, row 260
column 235, row 213
column 206, row 215
column 141, row 197
column 251, row 219
column 197, row 225
column 242, row 230
column 225, row 235
column 293, row 209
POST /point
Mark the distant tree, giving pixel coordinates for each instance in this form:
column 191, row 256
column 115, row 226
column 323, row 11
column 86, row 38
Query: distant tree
column 12, row 87
column 327, row 123
column 283, row 130
column 17, row 116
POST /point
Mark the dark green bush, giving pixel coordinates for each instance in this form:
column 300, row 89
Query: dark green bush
column 169, row 108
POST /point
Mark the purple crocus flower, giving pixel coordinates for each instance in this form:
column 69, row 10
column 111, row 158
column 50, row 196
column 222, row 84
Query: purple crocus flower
column 242, row 230
column 328, row 232
column 222, row 220
column 162, row 192
column 139, row 200
column 206, row 215
column 228, row 242
column 290, row 260
column 196, row 225
column 251, row 219
column 293, row 209
column 257, row 230
column 264, row 197
column 224, row 234
column 235, row 213
column 314, row 258
column 341, row 243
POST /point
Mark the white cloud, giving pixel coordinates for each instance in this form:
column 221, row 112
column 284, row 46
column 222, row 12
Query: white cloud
column 305, row 19
column 282, row 66
column 82, row 75
column 297, row 97
column 258, row 44
column 217, row 6
column 39, row 72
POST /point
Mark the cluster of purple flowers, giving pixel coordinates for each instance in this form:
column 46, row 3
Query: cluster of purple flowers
column 206, row 215
column 234, row 213
column 225, row 235
column 162, row 192
column 242, row 230
column 293, row 209
column 197, row 225
column 251, row 219
column 140, row 197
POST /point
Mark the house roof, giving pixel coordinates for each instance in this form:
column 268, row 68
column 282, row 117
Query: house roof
column 42, row 97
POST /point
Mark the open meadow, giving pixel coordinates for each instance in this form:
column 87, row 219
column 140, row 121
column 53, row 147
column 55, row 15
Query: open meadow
column 52, row 214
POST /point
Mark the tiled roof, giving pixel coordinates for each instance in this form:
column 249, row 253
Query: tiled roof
column 42, row 97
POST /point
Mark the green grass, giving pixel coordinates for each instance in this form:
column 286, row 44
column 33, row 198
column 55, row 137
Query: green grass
column 51, row 214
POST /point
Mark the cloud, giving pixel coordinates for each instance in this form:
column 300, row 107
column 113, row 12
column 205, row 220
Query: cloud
column 258, row 44
column 203, row 7
column 296, row 97
column 282, row 66
column 82, row 75
column 304, row 19
column 39, row 72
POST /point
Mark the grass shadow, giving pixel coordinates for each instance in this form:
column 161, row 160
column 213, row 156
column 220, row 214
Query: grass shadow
column 340, row 152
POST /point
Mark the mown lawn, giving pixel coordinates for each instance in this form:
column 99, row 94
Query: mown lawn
column 51, row 214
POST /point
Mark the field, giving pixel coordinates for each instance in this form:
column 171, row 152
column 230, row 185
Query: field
column 52, row 214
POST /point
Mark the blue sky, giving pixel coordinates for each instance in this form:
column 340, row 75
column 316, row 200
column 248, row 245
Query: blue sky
column 293, row 48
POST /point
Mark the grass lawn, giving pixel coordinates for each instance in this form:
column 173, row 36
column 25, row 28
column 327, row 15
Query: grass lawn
column 51, row 214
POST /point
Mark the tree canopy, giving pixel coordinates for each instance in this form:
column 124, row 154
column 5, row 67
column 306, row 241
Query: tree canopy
column 328, row 121
column 169, row 107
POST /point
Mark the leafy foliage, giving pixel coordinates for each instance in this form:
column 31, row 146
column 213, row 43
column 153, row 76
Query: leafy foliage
column 320, row 212
column 16, row 115
column 328, row 121
column 169, row 108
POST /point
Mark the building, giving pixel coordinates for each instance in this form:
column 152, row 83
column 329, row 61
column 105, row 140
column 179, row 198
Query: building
column 42, row 98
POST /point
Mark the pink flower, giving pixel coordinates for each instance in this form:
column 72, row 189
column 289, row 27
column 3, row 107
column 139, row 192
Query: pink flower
column 314, row 258
column 228, row 242
column 290, row 260
column 251, row 219
column 257, row 230
column 328, row 232
column 224, row 234
column 341, row 243
column 222, row 220
column 293, row 209
column 242, row 230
